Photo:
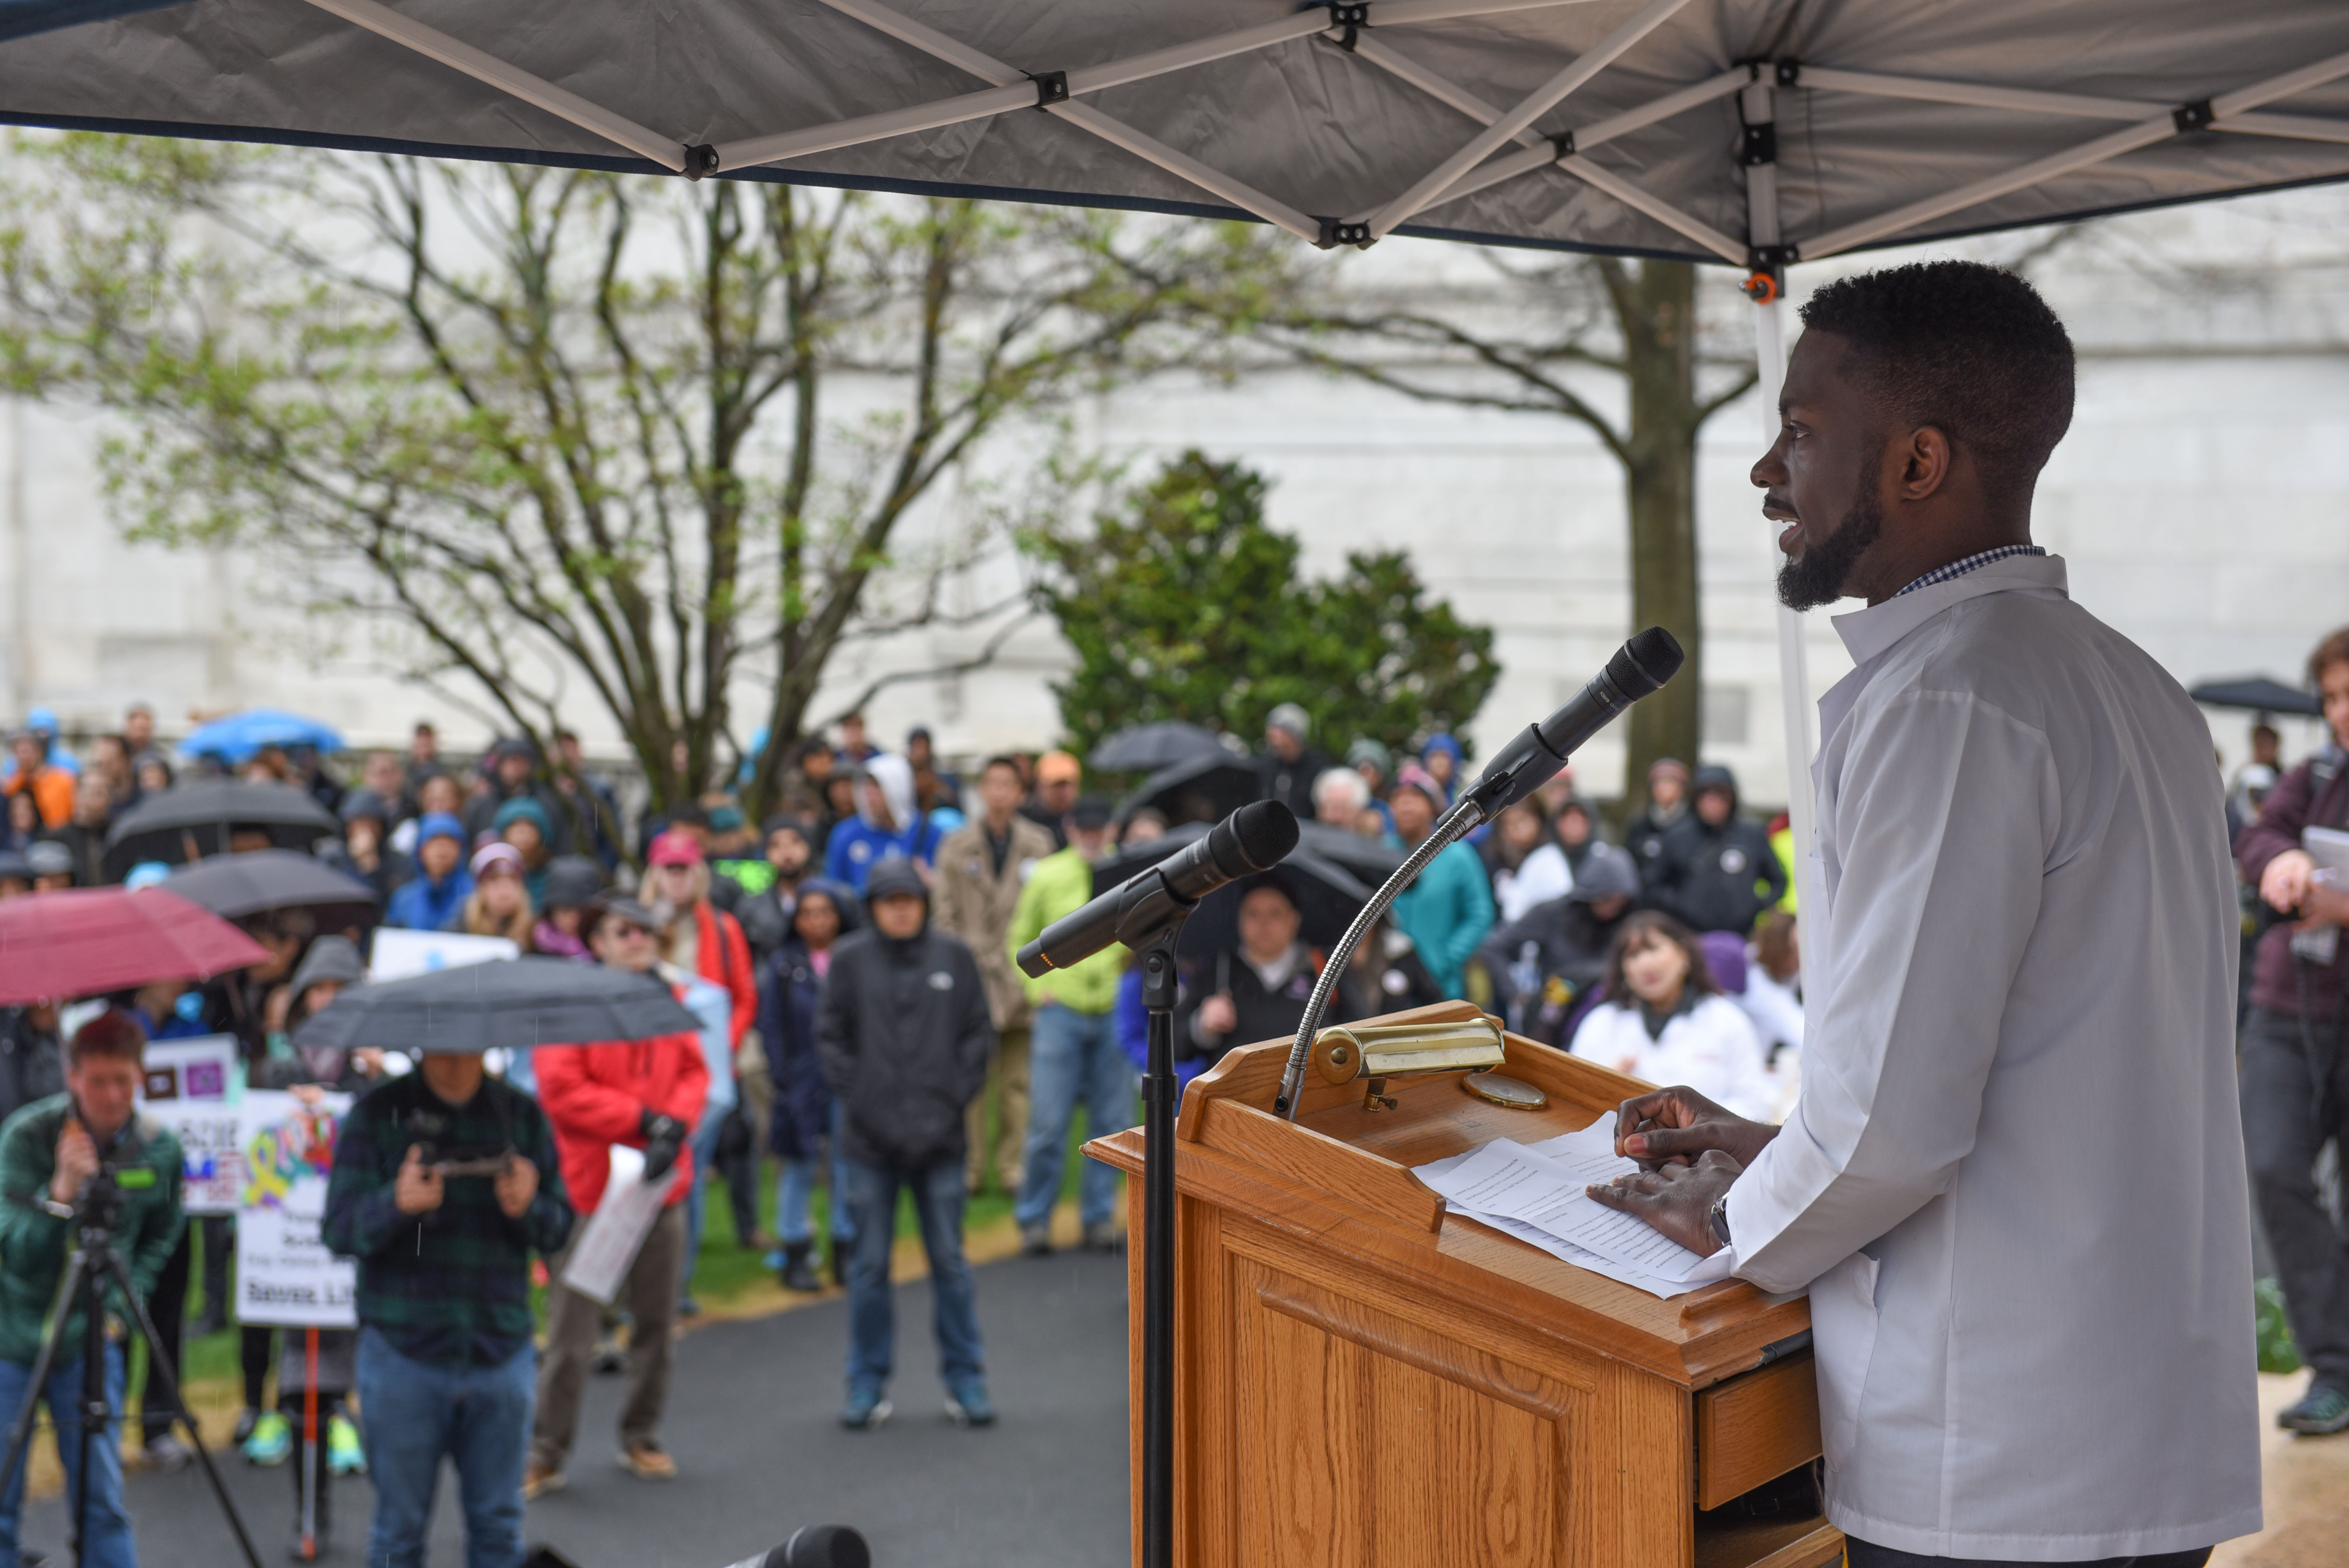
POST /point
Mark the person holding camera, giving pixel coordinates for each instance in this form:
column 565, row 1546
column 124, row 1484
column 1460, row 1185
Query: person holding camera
column 445, row 1181
column 645, row 1094
column 53, row 1153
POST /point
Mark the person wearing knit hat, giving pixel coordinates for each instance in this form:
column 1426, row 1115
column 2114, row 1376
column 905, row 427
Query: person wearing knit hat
column 789, row 844
column 1447, row 912
column 522, row 822
column 572, row 883
column 904, row 1037
column 500, row 902
column 1667, row 803
column 434, row 900
column 1289, row 765
column 1441, row 756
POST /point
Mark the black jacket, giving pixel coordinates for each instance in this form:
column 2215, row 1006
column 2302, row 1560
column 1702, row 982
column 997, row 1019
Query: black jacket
column 1569, row 956
column 1716, row 879
column 1263, row 1014
column 1291, row 783
column 904, row 1039
column 1644, row 836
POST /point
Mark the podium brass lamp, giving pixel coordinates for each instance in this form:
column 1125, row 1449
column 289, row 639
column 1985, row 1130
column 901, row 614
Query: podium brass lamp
column 1377, row 1052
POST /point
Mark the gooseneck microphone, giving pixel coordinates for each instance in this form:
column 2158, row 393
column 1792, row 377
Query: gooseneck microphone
column 1251, row 840
column 1534, row 758
column 1520, row 768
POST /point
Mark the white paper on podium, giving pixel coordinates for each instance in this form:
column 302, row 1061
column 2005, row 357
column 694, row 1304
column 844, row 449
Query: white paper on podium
column 1535, row 1192
column 617, row 1228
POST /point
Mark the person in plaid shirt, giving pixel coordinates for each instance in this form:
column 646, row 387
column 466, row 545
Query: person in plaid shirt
column 445, row 1362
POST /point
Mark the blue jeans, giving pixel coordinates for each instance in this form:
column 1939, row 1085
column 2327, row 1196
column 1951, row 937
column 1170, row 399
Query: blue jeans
column 109, row 1544
column 872, row 1319
column 414, row 1412
column 795, row 1187
column 1072, row 1056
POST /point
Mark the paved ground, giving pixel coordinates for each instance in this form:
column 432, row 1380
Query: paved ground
column 752, row 1422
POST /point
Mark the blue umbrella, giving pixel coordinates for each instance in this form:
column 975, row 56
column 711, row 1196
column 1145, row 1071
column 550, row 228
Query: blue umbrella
column 240, row 735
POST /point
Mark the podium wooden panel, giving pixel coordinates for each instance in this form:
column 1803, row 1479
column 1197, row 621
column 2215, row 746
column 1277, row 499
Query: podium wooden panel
column 1366, row 1380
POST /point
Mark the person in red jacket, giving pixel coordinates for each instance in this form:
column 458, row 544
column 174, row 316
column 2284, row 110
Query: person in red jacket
column 694, row 934
column 648, row 1095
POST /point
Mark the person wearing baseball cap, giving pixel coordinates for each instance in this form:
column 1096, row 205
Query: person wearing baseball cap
column 1074, row 1051
column 1447, row 912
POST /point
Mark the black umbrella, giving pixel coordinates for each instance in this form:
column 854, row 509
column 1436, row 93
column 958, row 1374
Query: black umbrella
column 507, row 1004
column 1201, row 789
column 191, row 820
column 1143, row 746
column 2257, row 693
column 259, row 880
column 1372, row 860
column 1327, row 897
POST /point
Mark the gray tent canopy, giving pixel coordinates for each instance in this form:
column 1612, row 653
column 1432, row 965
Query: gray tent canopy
column 1751, row 133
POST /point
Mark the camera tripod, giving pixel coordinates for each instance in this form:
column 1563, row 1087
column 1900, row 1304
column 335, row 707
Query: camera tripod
column 95, row 1263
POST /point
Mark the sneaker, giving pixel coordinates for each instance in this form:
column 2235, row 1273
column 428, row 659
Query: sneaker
column 968, row 1406
column 2320, row 1412
column 167, row 1453
column 1036, row 1241
column 1105, row 1238
column 246, row 1419
column 865, row 1409
column 688, row 1307
column 344, row 1454
column 646, row 1461
column 272, row 1439
column 609, row 1356
column 538, row 1480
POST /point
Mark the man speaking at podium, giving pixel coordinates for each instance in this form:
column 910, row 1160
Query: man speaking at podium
column 2014, row 1183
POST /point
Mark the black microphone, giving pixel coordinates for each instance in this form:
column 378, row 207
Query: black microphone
column 816, row 1546
column 1252, row 839
column 1527, row 763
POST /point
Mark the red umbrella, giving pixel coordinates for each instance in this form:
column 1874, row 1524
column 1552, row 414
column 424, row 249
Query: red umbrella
column 90, row 940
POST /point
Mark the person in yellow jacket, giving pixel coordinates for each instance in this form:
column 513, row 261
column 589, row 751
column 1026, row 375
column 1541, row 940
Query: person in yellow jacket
column 1073, row 1053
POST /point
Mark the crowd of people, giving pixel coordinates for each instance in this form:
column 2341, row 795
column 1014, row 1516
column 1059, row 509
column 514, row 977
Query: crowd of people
column 862, row 1025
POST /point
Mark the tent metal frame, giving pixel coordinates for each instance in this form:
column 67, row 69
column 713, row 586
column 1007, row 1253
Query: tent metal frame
column 1353, row 25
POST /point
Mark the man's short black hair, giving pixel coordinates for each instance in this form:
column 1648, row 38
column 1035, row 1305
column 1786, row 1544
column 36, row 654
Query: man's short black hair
column 992, row 763
column 1968, row 348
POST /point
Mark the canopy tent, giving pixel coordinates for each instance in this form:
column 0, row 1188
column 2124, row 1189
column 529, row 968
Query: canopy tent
column 1751, row 132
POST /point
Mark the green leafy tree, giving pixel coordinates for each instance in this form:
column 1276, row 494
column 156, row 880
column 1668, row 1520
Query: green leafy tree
column 1183, row 604
column 566, row 438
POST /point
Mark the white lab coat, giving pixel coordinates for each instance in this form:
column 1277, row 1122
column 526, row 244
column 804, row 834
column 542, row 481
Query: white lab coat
column 1712, row 1047
column 2015, row 1180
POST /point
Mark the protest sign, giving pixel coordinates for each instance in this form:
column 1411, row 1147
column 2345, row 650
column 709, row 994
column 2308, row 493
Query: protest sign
column 285, row 1274
column 186, row 1087
column 397, row 954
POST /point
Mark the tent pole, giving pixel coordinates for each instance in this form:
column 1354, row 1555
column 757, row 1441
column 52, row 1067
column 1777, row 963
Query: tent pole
column 1757, row 107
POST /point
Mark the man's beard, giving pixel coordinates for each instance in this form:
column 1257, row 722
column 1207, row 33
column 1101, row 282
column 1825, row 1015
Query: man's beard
column 1817, row 576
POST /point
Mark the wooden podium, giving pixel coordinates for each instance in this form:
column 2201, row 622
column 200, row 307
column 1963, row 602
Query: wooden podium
column 1365, row 1379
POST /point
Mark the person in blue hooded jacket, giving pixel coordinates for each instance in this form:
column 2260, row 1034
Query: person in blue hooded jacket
column 434, row 899
column 1447, row 912
column 889, row 822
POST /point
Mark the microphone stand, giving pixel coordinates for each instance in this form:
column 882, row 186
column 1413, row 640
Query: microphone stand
column 1158, row 1252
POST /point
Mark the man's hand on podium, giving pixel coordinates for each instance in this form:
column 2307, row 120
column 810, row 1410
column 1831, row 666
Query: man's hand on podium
column 1676, row 1199
column 1673, row 1126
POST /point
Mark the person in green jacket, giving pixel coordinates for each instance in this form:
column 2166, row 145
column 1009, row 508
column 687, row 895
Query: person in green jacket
column 1074, row 1054
column 1447, row 912
column 49, row 1152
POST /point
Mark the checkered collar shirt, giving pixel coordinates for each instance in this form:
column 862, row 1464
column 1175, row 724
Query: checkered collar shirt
column 1956, row 569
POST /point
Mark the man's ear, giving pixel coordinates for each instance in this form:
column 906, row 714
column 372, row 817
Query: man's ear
column 1925, row 458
